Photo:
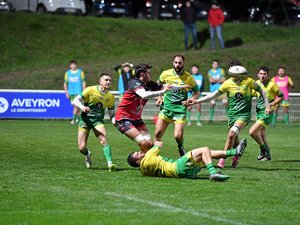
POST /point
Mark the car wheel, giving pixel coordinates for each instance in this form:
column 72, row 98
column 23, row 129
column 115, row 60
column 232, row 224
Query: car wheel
column 41, row 9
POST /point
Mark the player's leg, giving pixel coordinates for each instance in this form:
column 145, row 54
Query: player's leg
column 83, row 135
column 202, row 155
column 160, row 128
column 188, row 115
column 238, row 126
column 238, row 151
column 75, row 110
column 285, row 109
column 100, row 133
column 178, row 135
column 275, row 115
column 198, row 114
column 268, row 152
column 212, row 110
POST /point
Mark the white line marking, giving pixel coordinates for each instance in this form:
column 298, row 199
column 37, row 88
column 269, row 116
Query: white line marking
column 174, row 209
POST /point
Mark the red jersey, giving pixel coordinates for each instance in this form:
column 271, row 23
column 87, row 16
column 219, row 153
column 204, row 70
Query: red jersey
column 132, row 105
column 215, row 17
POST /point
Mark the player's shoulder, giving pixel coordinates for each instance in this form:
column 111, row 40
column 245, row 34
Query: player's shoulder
column 167, row 72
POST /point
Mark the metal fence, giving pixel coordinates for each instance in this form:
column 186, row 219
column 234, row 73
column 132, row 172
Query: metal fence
column 220, row 115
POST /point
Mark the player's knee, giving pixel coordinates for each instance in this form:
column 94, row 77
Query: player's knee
column 81, row 147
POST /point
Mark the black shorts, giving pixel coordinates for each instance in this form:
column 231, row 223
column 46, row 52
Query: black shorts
column 126, row 124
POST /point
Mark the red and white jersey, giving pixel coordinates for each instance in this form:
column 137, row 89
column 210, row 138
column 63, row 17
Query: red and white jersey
column 132, row 105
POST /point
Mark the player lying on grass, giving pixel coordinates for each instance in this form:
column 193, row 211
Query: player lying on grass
column 275, row 96
column 93, row 101
column 239, row 92
column 188, row 166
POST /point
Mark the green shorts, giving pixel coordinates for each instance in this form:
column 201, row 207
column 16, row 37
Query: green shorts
column 186, row 167
column 263, row 119
column 85, row 123
column 72, row 97
column 171, row 116
column 244, row 118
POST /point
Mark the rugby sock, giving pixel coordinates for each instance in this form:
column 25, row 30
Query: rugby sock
column 107, row 154
column 274, row 118
column 263, row 147
column 231, row 152
column 211, row 168
column 211, row 114
column 286, row 118
column 85, row 152
column 188, row 116
column 198, row 115
column 180, row 148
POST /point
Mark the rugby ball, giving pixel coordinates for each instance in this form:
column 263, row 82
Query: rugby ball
column 237, row 70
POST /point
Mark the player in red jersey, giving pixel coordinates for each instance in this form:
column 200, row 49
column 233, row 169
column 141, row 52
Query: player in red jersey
column 129, row 113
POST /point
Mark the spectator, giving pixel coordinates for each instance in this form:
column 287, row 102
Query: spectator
column 125, row 72
column 74, row 83
column 188, row 17
column 215, row 20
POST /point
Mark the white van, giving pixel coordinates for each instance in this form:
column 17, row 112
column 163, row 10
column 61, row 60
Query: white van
column 51, row 6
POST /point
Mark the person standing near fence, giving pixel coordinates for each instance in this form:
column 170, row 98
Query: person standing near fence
column 74, row 83
column 200, row 83
column 284, row 82
column 125, row 72
column 215, row 20
column 216, row 76
column 188, row 17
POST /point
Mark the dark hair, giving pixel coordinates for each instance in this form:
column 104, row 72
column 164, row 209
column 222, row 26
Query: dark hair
column 105, row 74
column 180, row 56
column 264, row 68
column 217, row 61
column 234, row 62
column 141, row 67
column 194, row 65
column 73, row 61
column 281, row 67
column 132, row 161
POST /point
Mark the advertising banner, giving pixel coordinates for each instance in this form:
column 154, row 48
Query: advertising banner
column 34, row 104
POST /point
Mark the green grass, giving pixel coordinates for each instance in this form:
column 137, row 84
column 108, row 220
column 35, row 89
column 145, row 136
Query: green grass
column 35, row 50
column 44, row 180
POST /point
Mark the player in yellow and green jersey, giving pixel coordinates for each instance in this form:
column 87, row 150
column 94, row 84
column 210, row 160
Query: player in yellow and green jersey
column 171, row 109
column 188, row 166
column 93, row 101
column 258, row 129
column 239, row 93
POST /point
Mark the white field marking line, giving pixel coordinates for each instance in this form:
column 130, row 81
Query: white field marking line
column 174, row 209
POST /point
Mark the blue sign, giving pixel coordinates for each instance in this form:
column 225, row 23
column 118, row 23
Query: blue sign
column 34, row 104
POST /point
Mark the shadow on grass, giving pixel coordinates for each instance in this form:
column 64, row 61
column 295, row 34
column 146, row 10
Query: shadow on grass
column 269, row 169
column 117, row 170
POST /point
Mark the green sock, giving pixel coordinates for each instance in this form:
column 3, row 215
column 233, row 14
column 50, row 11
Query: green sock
column 231, row 152
column 274, row 118
column 286, row 118
column 198, row 115
column 188, row 116
column 226, row 110
column 180, row 145
column 107, row 153
column 211, row 169
column 263, row 147
column 211, row 114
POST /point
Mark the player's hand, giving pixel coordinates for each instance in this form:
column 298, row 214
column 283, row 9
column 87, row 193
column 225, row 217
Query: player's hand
column 268, row 110
column 185, row 86
column 189, row 102
column 158, row 101
column 167, row 87
column 86, row 109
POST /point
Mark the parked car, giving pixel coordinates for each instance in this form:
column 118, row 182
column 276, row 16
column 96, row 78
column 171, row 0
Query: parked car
column 274, row 12
column 5, row 6
column 52, row 6
column 114, row 8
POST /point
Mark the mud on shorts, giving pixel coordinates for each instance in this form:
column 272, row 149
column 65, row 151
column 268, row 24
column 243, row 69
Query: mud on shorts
column 171, row 116
column 126, row 124
column 244, row 118
column 263, row 119
column 86, row 123
column 187, row 167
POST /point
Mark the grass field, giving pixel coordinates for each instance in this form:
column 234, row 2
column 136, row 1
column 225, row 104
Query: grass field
column 44, row 180
column 35, row 50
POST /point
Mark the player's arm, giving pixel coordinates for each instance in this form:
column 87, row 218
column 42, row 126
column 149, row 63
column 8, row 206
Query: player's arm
column 78, row 101
column 83, row 80
column 265, row 98
column 66, row 86
column 291, row 83
column 280, row 97
column 149, row 94
column 111, row 113
column 206, row 98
